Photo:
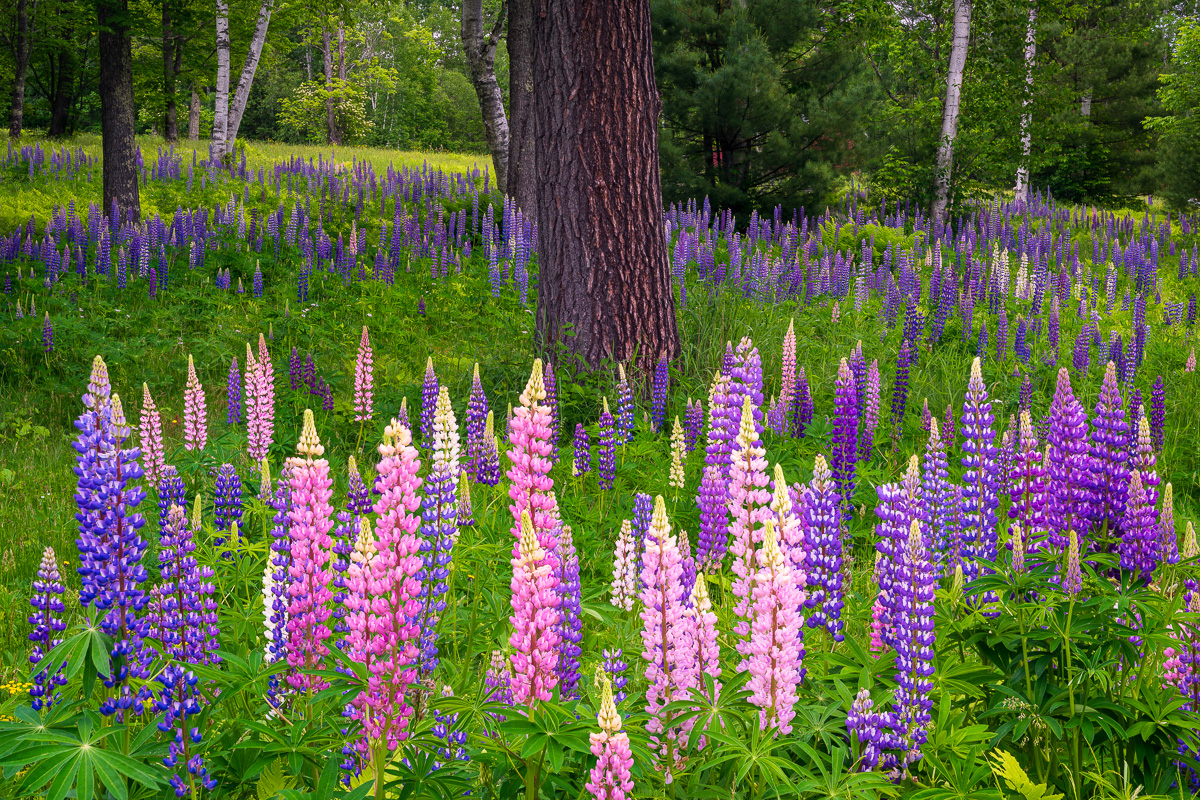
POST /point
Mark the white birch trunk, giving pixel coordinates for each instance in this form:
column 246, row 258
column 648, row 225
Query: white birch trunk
column 246, row 80
column 1021, row 191
column 1085, row 105
column 961, row 38
column 194, row 116
column 221, row 112
column 480, row 51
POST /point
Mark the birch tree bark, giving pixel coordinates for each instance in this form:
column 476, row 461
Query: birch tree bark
column 169, row 48
column 221, row 112
column 194, row 116
column 242, row 96
column 522, row 149
column 960, row 39
column 480, row 51
column 1021, row 190
column 21, row 39
column 604, row 283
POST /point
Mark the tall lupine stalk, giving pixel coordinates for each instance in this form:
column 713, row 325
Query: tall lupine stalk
column 551, row 383
column 610, row 778
column 364, row 379
column 1168, row 541
column 822, row 526
column 749, row 507
column 276, row 580
column 195, row 411
column 535, row 565
column 535, row 619
column 980, row 474
column 915, row 639
column 47, row 623
column 900, row 389
column 669, row 652
column 870, row 414
column 228, row 501
column 658, row 408
column 188, row 628
column 693, row 423
column 845, row 437
column 439, row 528
column 476, row 422
column 1143, row 460
column 429, row 394
column 746, row 381
column 774, row 656
column 309, row 576
column 625, row 569
column 1109, row 466
column 582, row 463
column 1028, row 486
column 1067, row 466
column 358, row 494
column 150, row 438
column 677, row 478
column 780, row 418
column 936, row 491
column 570, row 628
column 260, row 403
column 488, row 471
column 899, row 506
column 233, row 395
column 606, row 457
column 1140, row 543
column 624, row 417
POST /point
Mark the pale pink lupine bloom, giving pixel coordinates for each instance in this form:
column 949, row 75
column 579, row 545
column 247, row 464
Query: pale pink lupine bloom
column 529, row 451
column 150, row 437
column 775, row 652
column 195, row 411
column 364, row 379
column 748, row 504
column 625, row 577
column 610, row 778
column 534, row 619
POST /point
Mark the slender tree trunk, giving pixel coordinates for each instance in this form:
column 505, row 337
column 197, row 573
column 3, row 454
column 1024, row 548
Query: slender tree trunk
column 117, row 116
column 522, row 140
column 169, row 47
column 604, row 285
column 194, row 116
column 330, row 102
column 1021, row 191
column 21, row 58
column 246, row 80
column 481, row 57
column 64, row 90
column 961, row 38
column 220, row 132
column 1085, row 104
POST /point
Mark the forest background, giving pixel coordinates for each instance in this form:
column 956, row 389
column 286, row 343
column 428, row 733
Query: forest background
column 765, row 102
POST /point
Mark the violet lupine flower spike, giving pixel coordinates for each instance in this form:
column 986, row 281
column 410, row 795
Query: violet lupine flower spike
column 624, row 417
column 774, row 656
column 488, row 471
column 582, row 463
column 1140, row 539
column 667, row 647
column 607, row 456
column 439, row 528
column 1109, row 468
column 980, row 474
column 610, row 778
column 822, row 526
column 1028, row 486
column 570, row 627
column 845, row 437
column 47, row 623
column 233, row 411
column 364, row 379
column 429, row 394
column 693, row 423
column 309, row 575
column 749, row 501
column 150, row 438
column 658, row 412
column 915, row 638
column 1067, row 466
column 870, row 415
column 477, row 413
column 195, row 411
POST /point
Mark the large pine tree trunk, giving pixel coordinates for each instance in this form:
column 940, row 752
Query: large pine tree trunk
column 961, row 38
column 242, row 96
column 481, row 57
column 522, row 141
column 169, row 48
column 1021, row 191
column 220, row 132
column 194, row 116
column 117, row 117
column 64, row 90
column 21, row 38
column 604, row 285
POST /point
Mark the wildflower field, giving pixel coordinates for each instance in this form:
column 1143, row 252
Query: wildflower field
column 292, row 504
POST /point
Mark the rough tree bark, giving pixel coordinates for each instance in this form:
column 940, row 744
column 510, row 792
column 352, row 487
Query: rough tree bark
column 604, row 285
column 21, row 37
column 242, row 96
column 481, row 57
column 194, row 116
column 1021, row 191
column 64, row 90
column 961, row 38
column 170, row 46
column 522, row 141
column 221, row 110
column 117, row 116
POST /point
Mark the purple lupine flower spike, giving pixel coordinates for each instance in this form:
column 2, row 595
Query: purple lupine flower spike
column 1068, row 467
column 570, row 627
column 658, row 410
column 47, row 623
column 624, row 419
column 1158, row 413
column 583, row 452
column 1109, row 449
column 980, row 474
column 233, row 414
column 693, row 422
column 845, row 437
column 477, row 411
column 429, row 395
column 607, row 456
